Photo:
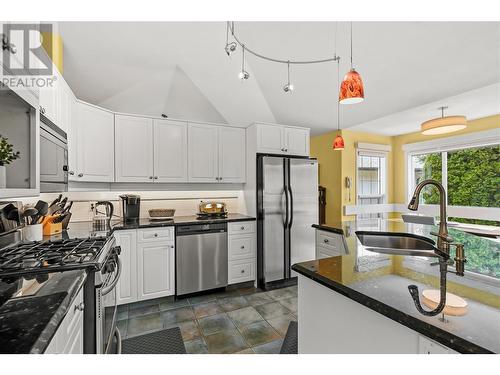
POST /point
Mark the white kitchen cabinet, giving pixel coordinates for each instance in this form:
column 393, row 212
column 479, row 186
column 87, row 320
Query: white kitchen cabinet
column 48, row 102
column 133, row 149
column 73, row 141
column 242, row 252
column 148, row 264
column 232, row 155
column 95, row 144
column 296, row 141
column 203, row 159
column 64, row 107
column 68, row 338
column 282, row 140
column 127, row 285
column 216, row 154
column 170, row 151
column 156, row 268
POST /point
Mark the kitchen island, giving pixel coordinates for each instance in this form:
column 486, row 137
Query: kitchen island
column 358, row 301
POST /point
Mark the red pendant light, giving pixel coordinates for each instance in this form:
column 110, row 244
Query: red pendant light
column 351, row 89
column 338, row 143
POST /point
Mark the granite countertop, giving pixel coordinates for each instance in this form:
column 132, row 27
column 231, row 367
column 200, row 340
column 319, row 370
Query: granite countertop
column 380, row 281
column 28, row 322
column 84, row 229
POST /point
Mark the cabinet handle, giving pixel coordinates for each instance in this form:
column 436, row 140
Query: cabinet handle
column 242, row 228
column 150, row 177
column 326, row 240
column 242, row 247
column 171, row 246
column 220, row 178
column 80, row 174
column 72, row 173
column 156, row 234
column 285, row 150
column 242, row 271
column 80, row 306
column 156, row 178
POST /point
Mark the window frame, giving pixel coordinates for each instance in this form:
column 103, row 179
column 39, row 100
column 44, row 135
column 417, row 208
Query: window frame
column 444, row 145
column 384, row 167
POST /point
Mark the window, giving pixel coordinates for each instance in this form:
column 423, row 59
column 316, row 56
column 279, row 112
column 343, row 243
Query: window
column 471, row 177
column 371, row 180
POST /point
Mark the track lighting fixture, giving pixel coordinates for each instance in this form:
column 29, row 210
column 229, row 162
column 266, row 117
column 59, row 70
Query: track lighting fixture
column 230, row 47
column 288, row 87
column 243, row 74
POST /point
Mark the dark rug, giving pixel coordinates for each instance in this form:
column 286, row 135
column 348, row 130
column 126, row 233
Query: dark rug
column 290, row 343
column 167, row 341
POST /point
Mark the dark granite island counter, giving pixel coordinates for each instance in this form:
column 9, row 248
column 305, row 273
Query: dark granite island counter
column 29, row 321
column 358, row 302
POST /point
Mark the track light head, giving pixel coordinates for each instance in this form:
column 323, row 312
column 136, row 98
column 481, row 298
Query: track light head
column 243, row 75
column 288, row 88
column 230, row 48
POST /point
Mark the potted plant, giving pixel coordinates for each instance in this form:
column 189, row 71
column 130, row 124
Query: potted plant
column 7, row 155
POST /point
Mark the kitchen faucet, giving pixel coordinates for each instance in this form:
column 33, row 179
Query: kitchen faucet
column 443, row 244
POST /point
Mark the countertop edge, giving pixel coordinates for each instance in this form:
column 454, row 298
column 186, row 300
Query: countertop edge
column 449, row 340
column 52, row 326
column 327, row 228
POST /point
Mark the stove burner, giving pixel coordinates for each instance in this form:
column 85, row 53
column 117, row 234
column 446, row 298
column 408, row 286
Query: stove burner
column 50, row 256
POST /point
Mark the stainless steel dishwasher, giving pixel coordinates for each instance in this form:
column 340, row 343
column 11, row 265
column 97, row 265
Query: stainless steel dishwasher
column 201, row 257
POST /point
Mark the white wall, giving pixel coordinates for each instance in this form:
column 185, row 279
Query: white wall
column 179, row 197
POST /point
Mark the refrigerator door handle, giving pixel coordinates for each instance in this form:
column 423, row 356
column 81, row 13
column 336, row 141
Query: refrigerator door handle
column 287, row 212
column 291, row 207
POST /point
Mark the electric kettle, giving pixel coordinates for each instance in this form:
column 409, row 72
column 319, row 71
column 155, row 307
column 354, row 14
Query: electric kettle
column 102, row 217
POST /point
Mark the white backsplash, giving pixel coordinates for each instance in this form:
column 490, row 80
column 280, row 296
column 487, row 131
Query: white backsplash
column 184, row 202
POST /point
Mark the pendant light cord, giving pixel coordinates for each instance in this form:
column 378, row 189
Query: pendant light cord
column 243, row 58
column 338, row 101
column 288, row 65
column 351, row 44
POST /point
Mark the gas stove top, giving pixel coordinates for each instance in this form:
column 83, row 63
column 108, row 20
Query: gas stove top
column 53, row 256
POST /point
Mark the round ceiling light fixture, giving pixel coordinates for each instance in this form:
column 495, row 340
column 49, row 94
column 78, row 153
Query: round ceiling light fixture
column 443, row 124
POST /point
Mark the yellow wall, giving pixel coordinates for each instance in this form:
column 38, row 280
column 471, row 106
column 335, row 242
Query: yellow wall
column 336, row 165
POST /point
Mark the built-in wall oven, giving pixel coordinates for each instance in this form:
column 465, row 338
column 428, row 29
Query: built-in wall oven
column 53, row 157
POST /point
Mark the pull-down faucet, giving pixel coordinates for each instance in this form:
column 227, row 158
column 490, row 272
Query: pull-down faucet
column 444, row 242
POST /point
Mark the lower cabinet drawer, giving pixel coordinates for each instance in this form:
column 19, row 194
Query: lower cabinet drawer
column 155, row 234
column 241, row 247
column 241, row 270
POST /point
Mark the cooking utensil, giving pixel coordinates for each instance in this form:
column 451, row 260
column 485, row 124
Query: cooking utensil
column 13, row 214
column 42, row 208
column 29, row 215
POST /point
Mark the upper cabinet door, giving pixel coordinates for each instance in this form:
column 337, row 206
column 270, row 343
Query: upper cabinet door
column 270, row 139
column 73, row 139
column 296, row 141
column 133, row 149
column 231, row 155
column 203, row 153
column 95, row 144
column 170, row 151
column 49, row 101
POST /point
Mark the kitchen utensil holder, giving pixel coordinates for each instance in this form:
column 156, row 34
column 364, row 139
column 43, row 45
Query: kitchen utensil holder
column 33, row 232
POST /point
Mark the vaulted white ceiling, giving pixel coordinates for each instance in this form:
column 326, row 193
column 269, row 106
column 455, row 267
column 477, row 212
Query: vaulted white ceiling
column 180, row 69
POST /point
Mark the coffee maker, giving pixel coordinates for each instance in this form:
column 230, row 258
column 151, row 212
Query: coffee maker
column 131, row 205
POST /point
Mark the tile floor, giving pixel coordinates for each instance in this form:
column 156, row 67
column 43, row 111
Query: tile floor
column 244, row 320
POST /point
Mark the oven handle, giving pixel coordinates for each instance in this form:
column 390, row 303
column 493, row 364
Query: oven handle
column 110, row 287
column 118, row 341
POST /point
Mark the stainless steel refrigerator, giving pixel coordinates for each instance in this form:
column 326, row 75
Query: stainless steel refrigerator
column 287, row 206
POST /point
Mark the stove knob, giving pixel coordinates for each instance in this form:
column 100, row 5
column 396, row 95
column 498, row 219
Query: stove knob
column 117, row 250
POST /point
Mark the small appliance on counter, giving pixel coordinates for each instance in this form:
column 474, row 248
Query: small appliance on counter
column 131, row 207
column 209, row 210
column 102, row 219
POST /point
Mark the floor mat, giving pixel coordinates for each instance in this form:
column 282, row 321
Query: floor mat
column 167, row 341
column 290, row 343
